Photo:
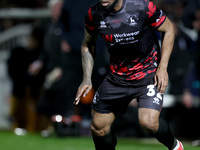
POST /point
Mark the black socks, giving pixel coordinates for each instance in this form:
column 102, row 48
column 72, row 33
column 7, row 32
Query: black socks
column 107, row 142
column 164, row 135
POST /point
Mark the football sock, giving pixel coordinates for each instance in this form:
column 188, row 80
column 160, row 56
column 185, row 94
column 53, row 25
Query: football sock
column 107, row 142
column 164, row 135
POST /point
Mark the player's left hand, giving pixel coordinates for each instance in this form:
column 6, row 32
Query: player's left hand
column 161, row 79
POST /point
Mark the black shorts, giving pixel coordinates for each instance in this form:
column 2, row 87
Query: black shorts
column 111, row 97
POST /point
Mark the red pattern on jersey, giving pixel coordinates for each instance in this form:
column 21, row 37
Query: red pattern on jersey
column 159, row 22
column 123, row 70
column 139, row 70
column 137, row 76
column 154, row 55
column 119, row 70
column 137, row 67
column 152, row 9
column 151, row 71
column 113, row 68
column 148, row 59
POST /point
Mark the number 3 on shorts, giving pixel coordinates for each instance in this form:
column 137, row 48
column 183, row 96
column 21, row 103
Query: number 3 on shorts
column 152, row 92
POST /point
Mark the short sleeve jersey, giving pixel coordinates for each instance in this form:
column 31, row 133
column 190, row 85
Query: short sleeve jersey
column 130, row 36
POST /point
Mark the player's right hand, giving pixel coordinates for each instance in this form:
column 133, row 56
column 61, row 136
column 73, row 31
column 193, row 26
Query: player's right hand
column 83, row 89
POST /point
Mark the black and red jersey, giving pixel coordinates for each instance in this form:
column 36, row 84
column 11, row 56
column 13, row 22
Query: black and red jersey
column 130, row 36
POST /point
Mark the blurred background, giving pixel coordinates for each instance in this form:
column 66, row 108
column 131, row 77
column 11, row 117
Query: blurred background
column 40, row 69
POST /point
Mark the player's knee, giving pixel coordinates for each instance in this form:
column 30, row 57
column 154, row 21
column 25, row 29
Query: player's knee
column 99, row 130
column 150, row 125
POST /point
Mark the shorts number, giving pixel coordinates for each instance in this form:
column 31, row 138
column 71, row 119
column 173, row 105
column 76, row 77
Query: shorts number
column 151, row 91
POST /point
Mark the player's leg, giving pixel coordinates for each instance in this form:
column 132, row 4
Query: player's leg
column 149, row 120
column 150, row 104
column 102, row 135
column 110, row 99
column 158, row 127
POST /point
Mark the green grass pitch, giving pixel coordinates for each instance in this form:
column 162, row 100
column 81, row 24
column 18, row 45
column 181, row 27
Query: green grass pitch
column 10, row 141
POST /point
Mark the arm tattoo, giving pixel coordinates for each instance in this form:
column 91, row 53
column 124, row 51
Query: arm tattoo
column 87, row 63
column 87, row 52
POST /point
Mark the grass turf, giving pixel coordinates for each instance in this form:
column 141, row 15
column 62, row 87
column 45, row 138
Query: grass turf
column 10, row 141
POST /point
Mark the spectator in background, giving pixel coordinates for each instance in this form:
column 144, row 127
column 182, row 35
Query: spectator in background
column 191, row 19
column 191, row 95
column 191, row 102
column 62, row 59
column 181, row 58
column 26, row 88
column 183, row 67
column 72, row 24
column 55, row 98
column 183, row 46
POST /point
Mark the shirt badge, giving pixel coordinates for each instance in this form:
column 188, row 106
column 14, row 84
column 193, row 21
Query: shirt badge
column 103, row 24
column 132, row 20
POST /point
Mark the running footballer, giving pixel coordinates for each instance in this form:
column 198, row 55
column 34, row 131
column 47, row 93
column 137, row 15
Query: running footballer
column 138, row 67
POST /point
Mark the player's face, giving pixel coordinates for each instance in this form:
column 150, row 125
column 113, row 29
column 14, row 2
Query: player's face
column 106, row 3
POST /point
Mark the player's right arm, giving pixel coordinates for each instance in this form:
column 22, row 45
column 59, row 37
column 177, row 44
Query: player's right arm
column 87, row 53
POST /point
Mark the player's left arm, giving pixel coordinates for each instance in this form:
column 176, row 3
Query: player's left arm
column 161, row 76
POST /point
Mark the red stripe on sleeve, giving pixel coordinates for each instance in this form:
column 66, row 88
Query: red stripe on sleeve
column 90, row 14
column 159, row 22
column 91, row 28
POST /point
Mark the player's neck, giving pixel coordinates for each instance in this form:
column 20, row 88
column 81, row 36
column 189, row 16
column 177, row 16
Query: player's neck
column 118, row 6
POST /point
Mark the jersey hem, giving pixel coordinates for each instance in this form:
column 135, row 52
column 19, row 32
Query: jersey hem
column 114, row 79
